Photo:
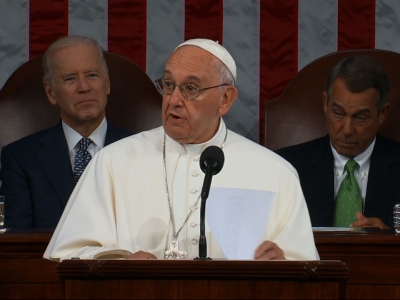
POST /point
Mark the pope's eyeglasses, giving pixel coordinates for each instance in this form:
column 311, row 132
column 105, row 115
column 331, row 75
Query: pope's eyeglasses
column 188, row 90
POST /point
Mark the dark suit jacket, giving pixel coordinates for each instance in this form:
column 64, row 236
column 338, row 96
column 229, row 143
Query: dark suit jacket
column 37, row 177
column 314, row 162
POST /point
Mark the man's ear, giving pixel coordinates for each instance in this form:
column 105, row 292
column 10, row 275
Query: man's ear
column 325, row 101
column 229, row 97
column 50, row 93
column 384, row 113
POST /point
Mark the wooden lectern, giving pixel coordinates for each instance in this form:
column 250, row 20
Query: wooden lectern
column 373, row 260
column 190, row 279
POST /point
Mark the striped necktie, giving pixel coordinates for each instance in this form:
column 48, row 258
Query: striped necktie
column 349, row 199
column 82, row 158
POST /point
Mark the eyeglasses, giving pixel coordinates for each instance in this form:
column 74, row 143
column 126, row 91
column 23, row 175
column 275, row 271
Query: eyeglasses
column 188, row 90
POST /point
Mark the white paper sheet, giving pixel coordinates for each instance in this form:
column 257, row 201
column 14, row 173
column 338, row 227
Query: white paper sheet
column 238, row 218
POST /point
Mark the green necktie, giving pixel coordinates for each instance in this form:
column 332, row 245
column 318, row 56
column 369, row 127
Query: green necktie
column 349, row 199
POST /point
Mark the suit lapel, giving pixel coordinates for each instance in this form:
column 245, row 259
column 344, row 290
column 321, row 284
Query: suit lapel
column 383, row 180
column 113, row 134
column 54, row 157
column 320, row 198
column 55, row 160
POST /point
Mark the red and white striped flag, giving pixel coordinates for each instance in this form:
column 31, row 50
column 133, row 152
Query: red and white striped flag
column 271, row 40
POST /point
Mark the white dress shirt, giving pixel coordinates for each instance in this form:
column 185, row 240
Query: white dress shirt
column 98, row 137
column 361, row 173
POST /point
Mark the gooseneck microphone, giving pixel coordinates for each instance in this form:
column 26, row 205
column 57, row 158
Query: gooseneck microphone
column 211, row 163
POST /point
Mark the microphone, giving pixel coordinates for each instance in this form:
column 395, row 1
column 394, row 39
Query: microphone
column 211, row 163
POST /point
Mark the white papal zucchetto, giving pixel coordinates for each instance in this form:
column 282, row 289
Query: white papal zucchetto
column 215, row 49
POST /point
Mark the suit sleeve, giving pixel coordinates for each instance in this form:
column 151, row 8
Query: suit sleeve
column 16, row 189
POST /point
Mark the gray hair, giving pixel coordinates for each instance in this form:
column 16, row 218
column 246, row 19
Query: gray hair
column 225, row 74
column 360, row 73
column 65, row 42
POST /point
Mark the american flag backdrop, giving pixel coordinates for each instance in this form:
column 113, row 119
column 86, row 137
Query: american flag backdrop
column 271, row 40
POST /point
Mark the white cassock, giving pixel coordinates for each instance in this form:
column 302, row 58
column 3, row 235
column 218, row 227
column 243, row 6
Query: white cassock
column 120, row 204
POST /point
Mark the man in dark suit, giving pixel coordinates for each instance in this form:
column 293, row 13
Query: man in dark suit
column 39, row 172
column 355, row 105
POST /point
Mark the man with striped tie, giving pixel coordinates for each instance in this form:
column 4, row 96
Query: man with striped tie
column 39, row 172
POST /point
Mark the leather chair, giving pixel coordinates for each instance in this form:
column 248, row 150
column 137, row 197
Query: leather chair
column 298, row 116
column 134, row 102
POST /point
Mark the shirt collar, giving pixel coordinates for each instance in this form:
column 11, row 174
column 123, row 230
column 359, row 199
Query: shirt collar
column 216, row 140
column 363, row 160
column 97, row 136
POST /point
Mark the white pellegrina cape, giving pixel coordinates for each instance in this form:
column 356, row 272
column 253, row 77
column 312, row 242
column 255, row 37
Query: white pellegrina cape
column 120, row 204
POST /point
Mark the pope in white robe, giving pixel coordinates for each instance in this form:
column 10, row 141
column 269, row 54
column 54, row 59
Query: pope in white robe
column 121, row 205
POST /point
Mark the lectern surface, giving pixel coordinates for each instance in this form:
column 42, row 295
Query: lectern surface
column 215, row 279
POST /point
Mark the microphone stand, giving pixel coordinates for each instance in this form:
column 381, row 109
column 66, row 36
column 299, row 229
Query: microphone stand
column 204, row 196
column 211, row 162
column 203, row 240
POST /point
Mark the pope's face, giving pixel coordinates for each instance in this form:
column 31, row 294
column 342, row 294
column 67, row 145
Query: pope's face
column 194, row 121
column 353, row 119
column 79, row 85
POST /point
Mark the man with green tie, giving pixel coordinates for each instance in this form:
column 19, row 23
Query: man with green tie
column 351, row 177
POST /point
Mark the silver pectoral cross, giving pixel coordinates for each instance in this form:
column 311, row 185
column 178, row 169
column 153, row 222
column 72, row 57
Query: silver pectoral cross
column 173, row 252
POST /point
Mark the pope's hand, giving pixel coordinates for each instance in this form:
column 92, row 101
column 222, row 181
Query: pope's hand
column 269, row 251
column 141, row 255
